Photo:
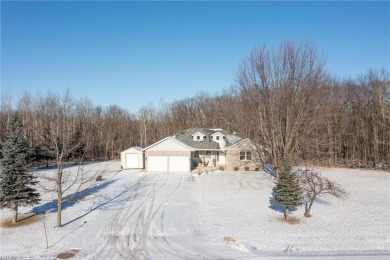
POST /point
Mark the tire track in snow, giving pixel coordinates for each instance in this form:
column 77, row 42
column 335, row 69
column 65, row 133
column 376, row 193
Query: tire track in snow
column 138, row 249
column 106, row 251
column 166, row 247
column 135, row 240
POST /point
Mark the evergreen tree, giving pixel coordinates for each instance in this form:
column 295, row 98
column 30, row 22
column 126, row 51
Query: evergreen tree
column 77, row 146
column 287, row 192
column 16, row 179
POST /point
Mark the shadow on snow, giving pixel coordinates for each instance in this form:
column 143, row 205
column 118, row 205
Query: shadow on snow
column 105, row 202
column 108, row 202
column 270, row 169
column 279, row 208
column 70, row 200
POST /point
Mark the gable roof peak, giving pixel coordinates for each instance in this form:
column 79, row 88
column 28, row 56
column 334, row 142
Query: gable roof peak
column 197, row 133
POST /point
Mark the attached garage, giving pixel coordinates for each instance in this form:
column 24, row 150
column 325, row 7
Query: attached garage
column 157, row 163
column 168, row 155
column 179, row 163
column 132, row 158
column 168, row 163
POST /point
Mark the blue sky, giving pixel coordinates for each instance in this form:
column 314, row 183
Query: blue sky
column 135, row 53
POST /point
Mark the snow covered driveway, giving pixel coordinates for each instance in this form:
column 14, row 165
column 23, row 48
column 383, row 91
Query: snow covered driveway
column 220, row 215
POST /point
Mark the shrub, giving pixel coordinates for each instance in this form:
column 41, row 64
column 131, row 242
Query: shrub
column 236, row 168
column 246, row 168
column 221, row 168
column 99, row 178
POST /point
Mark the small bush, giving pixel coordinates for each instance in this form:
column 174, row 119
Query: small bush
column 257, row 169
column 235, row 168
column 246, row 168
column 68, row 254
column 221, row 168
column 99, row 178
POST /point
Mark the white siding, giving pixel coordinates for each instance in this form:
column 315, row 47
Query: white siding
column 168, row 145
column 132, row 150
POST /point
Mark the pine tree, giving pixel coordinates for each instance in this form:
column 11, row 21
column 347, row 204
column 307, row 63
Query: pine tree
column 16, row 179
column 77, row 145
column 287, row 192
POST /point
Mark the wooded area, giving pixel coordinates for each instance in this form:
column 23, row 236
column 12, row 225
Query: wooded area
column 282, row 98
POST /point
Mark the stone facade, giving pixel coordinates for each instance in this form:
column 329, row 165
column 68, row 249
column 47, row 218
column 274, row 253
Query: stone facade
column 233, row 161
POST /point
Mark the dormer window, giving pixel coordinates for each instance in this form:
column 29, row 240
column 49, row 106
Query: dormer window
column 198, row 136
column 217, row 137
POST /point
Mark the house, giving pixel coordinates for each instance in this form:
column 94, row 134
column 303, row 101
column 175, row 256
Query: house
column 205, row 146
column 132, row 158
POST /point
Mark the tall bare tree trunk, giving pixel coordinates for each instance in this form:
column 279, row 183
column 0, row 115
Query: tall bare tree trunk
column 59, row 206
column 15, row 216
column 307, row 213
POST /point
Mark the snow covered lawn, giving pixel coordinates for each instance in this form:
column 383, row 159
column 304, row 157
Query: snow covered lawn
column 137, row 215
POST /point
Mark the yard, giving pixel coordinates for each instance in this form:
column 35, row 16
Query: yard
column 136, row 215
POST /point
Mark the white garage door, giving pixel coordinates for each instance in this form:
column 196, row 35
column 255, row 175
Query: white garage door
column 179, row 163
column 131, row 160
column 168, row 164
column 157, row 163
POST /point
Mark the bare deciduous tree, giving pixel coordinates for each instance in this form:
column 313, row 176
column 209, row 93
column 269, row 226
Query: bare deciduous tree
column 315, row 186
column 61, row 141
column 283, row 100
column 284, row 91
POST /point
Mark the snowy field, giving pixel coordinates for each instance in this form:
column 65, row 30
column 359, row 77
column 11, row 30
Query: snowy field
column 220, row 215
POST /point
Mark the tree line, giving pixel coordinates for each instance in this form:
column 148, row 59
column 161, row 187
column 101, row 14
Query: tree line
column 281, row 98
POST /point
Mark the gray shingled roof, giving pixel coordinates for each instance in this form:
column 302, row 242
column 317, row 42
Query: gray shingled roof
column 207, row 143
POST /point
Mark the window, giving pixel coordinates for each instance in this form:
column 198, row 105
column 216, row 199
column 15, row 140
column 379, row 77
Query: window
column 217, row 138
column 242, row 156
column 245, row 156
column 196, row 155
column 208, row 154
column 198, row 137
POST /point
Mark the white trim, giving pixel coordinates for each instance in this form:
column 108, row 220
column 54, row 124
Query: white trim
column 197, row 133
column 137, row 148
column 169, row 138
column 217, row 133
column 195, row 149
